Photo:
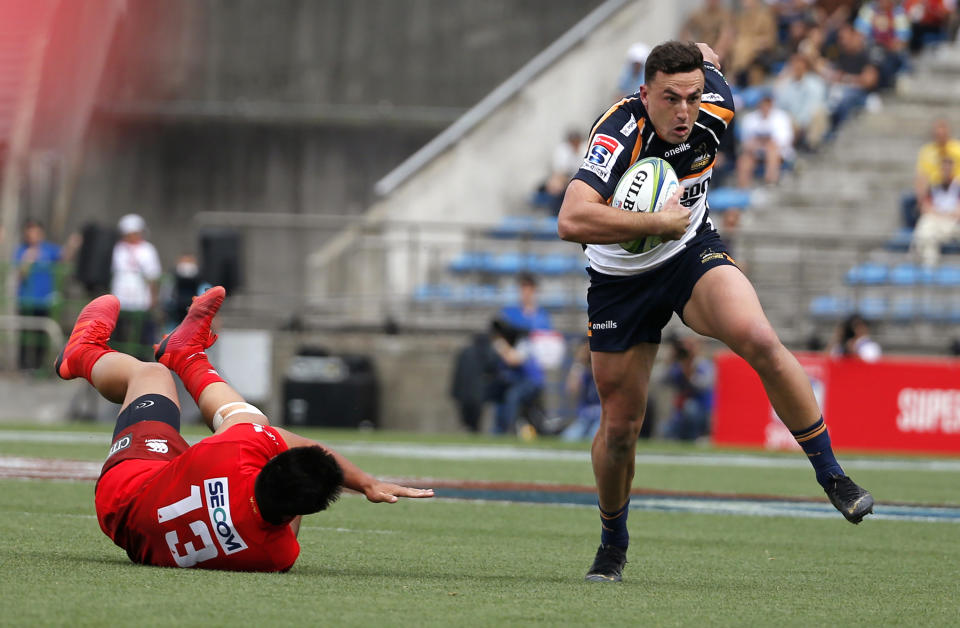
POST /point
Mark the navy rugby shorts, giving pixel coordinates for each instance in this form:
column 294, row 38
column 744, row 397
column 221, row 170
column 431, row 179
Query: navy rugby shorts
column 626, row 310
column 147, row 429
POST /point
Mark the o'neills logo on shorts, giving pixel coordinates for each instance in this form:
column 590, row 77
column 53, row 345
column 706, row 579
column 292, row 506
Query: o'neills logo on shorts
column 217, row 491
column 603, row 325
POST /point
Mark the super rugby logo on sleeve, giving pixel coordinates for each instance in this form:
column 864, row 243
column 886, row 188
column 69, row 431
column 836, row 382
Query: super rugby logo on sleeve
column 217, row 491
column 602, row 155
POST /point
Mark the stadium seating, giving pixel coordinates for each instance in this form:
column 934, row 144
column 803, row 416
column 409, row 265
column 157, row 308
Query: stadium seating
column 511, row 263
column 528, row 227
column 492, row 295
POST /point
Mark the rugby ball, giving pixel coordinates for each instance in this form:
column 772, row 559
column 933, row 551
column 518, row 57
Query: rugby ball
column 644, row 187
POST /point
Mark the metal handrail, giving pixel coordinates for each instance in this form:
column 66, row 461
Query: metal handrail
column 505, row 91
column 45, row 324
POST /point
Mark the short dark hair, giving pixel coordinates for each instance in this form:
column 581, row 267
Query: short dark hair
column 300, row 481
column 527, row 278
column 673, row 57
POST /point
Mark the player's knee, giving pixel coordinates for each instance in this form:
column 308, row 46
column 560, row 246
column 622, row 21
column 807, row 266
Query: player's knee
column 153, row 369
column 620, row 436
column 759, row 345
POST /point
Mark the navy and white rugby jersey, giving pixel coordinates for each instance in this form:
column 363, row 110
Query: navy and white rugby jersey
column 625, row 134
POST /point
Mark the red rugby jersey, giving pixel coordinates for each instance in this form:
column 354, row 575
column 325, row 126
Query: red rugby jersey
column 199, row 509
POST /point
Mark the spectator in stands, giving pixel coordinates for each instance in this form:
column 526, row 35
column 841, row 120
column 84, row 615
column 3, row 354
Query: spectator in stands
column 135, row 273
column 929, row 21
column 885, row 24
column 183, row 284
column 518, row 385
column 852, row 75
column 830, row 14
column 927, row 171
column 545, row 343
column 691, row 377
column 632, row 75
column 766, row 138
column 931, row 156
column 802, row 93
column 755, row 28
column 789, row 45
column 527, row 315
column 470, row 385
column 788, row 12
column 582, row 390
column 564, row 163
column 852, row 339
column 939, row 219
column 37, row 289
column 711, row 24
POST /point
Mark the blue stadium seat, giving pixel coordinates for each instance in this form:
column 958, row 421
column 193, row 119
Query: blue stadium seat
column 872, row 308
column 831, row 307
column 910, row 275
column 868, row 274
column 478, row 294
column 947, row 276
column 903, row 309
column 470, row 261
column 531, row 227
column 433, row 293
column 508, row 263
column 953, row 313
column 557, row 264
column 555, row 300
column 724, row 198
column 900, row 241
column 934, row 311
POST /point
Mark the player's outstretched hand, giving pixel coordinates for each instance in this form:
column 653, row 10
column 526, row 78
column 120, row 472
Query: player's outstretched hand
column 674, row 217
column 387, row 492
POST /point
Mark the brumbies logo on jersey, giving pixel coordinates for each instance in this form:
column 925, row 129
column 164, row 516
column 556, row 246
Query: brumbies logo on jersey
column 602, row 155
column 703, row 157
column 217, row 491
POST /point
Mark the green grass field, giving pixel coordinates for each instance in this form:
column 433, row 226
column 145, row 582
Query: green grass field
column 447, row 562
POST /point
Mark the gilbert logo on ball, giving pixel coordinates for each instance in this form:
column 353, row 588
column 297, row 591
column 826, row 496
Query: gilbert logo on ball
column 645, row 187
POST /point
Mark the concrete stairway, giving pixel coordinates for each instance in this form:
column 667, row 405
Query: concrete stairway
column 840, row 205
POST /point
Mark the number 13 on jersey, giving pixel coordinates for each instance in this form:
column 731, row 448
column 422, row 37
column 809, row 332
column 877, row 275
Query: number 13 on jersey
column 217, row 492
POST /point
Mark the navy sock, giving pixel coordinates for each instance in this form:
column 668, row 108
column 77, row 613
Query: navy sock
column 815, row 441
column 614, row 527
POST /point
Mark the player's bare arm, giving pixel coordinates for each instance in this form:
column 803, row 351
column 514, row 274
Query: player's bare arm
column 586, row 219
column 709, row 55
column 221, row 399
column 355, row 478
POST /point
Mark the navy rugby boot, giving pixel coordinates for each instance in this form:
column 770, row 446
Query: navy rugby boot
column 608, row 564
column 853, row 502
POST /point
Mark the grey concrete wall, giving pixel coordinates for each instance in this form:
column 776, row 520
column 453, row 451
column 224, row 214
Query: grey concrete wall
column 413, row 371
column 404, row 52
column 159, row 147
column 491, row 170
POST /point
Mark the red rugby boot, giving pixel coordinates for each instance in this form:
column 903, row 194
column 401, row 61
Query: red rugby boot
column 193, row 335
column 88, row 340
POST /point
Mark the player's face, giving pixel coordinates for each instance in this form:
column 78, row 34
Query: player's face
column 673, row 103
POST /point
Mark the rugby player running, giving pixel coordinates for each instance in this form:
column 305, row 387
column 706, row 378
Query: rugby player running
column 232, row 501
column 679, row 115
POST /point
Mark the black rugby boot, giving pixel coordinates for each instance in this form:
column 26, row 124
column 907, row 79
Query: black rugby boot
column 853, row 502
column 608, row 565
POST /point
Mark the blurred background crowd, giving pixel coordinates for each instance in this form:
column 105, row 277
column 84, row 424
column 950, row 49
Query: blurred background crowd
column 377, row 188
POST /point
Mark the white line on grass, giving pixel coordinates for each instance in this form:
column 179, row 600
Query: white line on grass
column 505, row 452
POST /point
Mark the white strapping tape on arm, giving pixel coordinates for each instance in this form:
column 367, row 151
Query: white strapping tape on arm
column 219, row 417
